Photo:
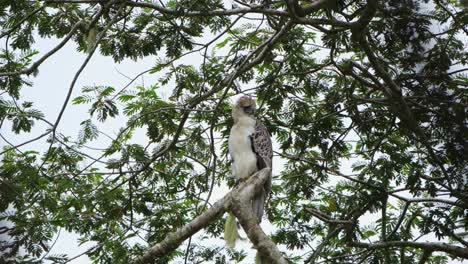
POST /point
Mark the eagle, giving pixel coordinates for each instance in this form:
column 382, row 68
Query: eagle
column 251, row 150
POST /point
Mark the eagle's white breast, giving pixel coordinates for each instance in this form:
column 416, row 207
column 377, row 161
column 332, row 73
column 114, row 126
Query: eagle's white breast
column 240, row 148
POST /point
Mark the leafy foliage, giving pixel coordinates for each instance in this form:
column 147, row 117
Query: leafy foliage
column 365, row 100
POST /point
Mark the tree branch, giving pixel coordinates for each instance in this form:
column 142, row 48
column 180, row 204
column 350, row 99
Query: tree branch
column 80, row 70
column 242, row 209
column 327, row 219
column 429, row 246
column 244, row 192
column 311, row 7
column 36, row 64
column 13, row 28
column 259, row 9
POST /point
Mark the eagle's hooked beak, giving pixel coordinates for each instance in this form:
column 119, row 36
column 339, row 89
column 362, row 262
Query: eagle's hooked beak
column 249, row 110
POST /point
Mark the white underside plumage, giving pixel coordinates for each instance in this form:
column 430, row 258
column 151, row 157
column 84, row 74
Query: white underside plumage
column 240, row 148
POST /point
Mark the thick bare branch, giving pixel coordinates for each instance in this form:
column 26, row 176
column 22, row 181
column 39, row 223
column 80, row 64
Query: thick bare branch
column 243, row 192
column 242, row 209
column 173, row 240
column 314, row 6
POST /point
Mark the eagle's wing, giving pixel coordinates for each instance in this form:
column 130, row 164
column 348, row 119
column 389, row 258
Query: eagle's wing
column 261, row 146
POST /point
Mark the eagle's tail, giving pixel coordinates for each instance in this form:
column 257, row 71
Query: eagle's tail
column 230, row 231
column 258, row 204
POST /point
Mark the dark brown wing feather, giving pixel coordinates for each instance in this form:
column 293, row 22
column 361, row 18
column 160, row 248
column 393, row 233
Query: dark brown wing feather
column 261, row 146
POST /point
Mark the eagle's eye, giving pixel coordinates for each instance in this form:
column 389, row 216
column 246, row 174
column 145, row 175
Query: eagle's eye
column 248, row 109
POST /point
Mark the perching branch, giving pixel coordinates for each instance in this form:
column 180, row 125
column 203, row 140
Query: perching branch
column 242, row 193
column 241, row 207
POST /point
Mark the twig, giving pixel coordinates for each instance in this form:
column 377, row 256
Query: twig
column 13, row 28
column 36, row 64
column 80, row 70
column 457, row 251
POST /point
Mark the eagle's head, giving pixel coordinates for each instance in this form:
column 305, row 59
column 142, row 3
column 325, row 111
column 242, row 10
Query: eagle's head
column 245, row 106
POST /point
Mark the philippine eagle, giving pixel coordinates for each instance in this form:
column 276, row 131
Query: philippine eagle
column 250, row 149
